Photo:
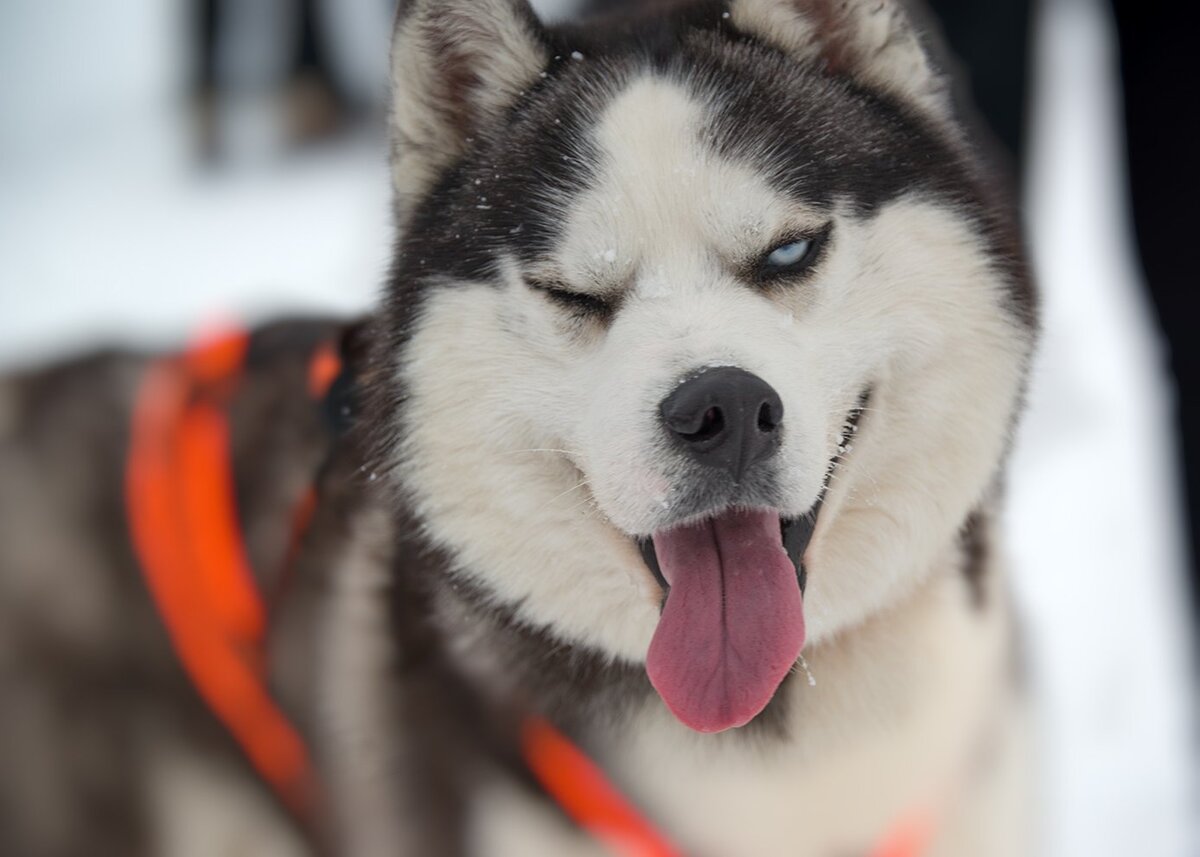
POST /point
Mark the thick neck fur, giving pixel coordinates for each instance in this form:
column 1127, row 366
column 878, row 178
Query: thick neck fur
column 469, row 671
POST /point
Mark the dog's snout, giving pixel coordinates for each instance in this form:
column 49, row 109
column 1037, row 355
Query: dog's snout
column 725, row 418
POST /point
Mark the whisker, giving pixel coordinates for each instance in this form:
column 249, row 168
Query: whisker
column 588, row 499
column 557, row 497
column 529, row 451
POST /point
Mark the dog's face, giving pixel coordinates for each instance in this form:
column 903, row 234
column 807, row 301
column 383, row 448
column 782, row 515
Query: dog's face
column 665, row 302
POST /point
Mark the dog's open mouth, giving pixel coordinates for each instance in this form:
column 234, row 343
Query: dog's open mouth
column 732, row 626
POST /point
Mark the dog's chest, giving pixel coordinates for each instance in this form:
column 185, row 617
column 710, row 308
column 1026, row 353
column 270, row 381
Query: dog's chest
column 885, row 736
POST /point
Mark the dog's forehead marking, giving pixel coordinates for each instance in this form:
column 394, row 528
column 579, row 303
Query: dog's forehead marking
column 663, row 193
column 649, row 127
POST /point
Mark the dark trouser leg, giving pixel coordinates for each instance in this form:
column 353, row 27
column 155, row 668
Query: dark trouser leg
column 991, row 41
column 205, row 78
column 1158, row 67
column 317, row 105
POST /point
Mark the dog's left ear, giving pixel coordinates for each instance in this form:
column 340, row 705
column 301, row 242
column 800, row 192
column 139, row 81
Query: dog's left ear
column 457, row 66
column 873, row 41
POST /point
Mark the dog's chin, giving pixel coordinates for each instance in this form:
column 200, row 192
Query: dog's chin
column 732, row 622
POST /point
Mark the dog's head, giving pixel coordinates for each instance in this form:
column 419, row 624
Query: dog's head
column 670, row 292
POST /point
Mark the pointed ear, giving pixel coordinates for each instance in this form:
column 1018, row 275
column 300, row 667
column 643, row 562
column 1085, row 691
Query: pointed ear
column 457, row 66
column 873, row 41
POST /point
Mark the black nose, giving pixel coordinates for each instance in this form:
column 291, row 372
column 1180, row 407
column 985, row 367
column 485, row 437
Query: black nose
column 725, row 418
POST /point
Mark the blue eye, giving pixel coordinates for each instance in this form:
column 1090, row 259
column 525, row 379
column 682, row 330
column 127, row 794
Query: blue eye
column 793, row 258
column 789, row 255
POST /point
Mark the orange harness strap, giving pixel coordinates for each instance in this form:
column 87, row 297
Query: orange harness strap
column 183, row 520
column 585, row 794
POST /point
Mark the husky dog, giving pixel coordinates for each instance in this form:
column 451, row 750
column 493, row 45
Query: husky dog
column 703, row 350
column 682, row 428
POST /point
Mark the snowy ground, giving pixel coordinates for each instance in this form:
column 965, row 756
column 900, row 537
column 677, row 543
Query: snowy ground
column 107, row 230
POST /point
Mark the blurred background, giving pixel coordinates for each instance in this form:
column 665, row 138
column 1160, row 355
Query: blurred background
column 165, row 162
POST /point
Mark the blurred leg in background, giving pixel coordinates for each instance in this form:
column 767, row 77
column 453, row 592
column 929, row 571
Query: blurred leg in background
column 992, row 42
column 357, row 36
column 205, row 26
column 1162, row 130
column 317, row 87
column 316, row 105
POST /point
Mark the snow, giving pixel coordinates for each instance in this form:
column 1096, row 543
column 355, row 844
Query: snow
column 107, row 230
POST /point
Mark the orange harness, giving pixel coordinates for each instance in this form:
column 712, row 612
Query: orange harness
column 185, row 531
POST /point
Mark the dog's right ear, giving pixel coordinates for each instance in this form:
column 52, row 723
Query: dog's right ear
column 457, row 66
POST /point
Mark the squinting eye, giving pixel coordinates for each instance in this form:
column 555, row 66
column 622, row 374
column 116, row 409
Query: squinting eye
column 789, row 255
column 580, row 303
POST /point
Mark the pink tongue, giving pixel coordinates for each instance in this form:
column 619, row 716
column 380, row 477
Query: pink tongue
column 733, row 625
